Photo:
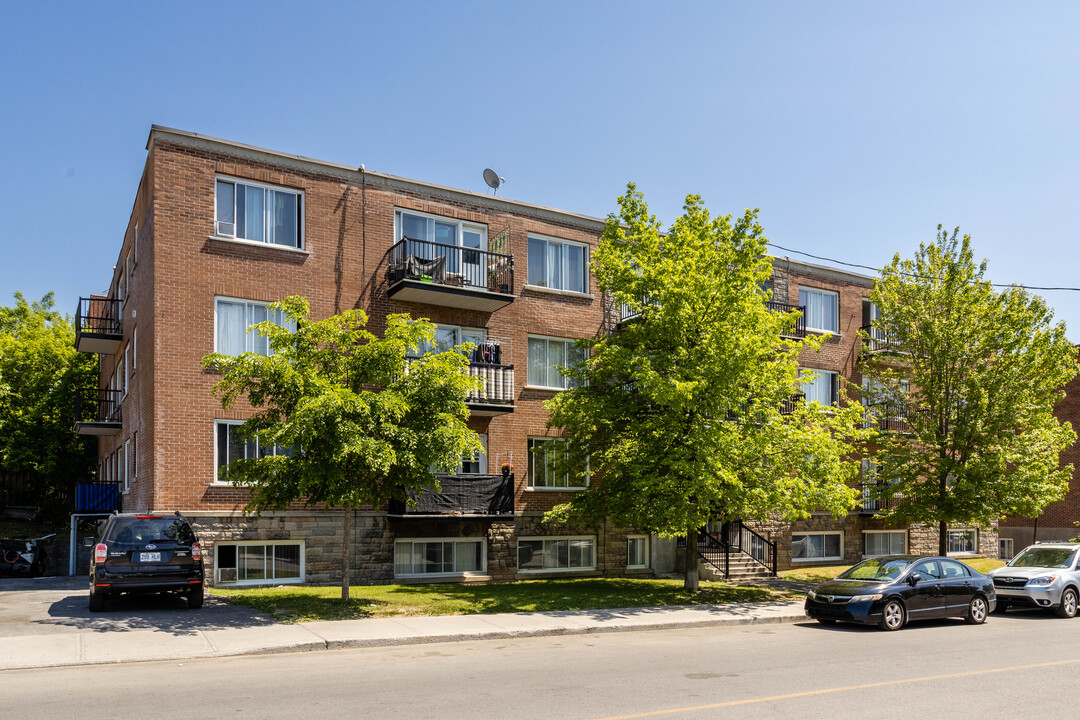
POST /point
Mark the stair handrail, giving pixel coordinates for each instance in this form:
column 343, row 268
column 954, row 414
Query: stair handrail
column 742, row 539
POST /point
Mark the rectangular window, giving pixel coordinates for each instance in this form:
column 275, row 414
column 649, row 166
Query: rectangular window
column 439, row 557
column 822, row 309
column 823, row 387
column 231, row 446
column 475, row 464
column 122, row 466
column 1005, row 548
column 134, row 349
column 234, row 318
column 884, row 542
column 558, row 264
column 447, row 337
column 963, row 542
column 134, row 457
column 257, row 562
column 543, row 471
column 637, row 551
column 258, row 213
column 565, row 553
column 127, row 367
column 817, row 546
column 546, row 356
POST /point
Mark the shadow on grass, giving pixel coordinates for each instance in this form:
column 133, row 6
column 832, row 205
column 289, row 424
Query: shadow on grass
column 322, row 603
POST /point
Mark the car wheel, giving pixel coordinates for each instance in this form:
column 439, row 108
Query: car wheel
column 195, row 597
column 97, row 602
column 892, row 616
column 977, row 611
column 1067, row 608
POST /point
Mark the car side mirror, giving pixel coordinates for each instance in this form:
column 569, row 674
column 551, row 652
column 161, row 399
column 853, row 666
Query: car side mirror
column 89, row 542
column 914, row 579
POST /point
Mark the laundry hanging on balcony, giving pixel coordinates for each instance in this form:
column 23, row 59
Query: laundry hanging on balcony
column 488, row 352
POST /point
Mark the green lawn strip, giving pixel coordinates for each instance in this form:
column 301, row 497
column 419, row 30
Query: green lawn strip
column 828, row 572
column 295, row 603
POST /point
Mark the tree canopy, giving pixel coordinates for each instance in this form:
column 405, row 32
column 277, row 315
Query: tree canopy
column 685, row 413
column 41, row 373
column 356, row 422
column 979, row 370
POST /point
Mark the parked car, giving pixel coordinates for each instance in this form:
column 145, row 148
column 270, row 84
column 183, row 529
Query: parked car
column 24, row 556
column 894, row 590
column 143, row 554
column 1046, row 575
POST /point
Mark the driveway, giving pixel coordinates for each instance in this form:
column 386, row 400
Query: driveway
column 58, row 605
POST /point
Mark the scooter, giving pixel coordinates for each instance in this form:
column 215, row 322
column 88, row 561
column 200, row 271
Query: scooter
column 23, row 556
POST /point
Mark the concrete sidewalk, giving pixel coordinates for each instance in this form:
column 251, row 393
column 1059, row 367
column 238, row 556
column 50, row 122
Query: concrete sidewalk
column 66, row 635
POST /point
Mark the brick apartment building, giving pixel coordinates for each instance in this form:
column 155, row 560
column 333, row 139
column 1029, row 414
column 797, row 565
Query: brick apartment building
column 219, row 229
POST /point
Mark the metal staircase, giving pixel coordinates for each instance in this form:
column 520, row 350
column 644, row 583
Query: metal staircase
column 735, row 552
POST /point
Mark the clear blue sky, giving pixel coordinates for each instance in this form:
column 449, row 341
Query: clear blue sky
column 855, row 127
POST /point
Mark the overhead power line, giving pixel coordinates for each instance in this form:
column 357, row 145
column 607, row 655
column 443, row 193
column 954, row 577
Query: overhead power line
column 874, row 269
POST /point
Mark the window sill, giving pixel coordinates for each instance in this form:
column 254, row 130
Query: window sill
column 556, row 489
column 555, row 291
column 251, row 583
column 542, row 388
column 252, row 243
column 830, row 333
column 549, row 571
column 817, row 560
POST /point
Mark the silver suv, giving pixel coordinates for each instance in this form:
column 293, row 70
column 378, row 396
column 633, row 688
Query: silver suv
column 1045, row 575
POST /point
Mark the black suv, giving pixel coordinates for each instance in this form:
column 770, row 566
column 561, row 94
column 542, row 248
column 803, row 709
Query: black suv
column 146, row 553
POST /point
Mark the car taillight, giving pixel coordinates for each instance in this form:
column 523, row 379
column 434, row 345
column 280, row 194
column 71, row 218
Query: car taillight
column 196, row 552
column 101, row 551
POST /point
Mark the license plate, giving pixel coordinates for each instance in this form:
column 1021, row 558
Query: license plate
column 150, row 557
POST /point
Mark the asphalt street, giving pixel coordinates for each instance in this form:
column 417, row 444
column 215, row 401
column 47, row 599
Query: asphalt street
column 1022, row 664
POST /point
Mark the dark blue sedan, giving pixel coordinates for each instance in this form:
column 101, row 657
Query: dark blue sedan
column 891, row 591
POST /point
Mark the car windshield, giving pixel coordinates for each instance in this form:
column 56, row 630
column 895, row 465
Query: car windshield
column 152, row 529
column 876, row 569
column 1043, row 557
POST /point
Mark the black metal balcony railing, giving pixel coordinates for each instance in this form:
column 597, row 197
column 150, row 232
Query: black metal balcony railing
column 876, row 498
column 787, row 406
column 878, row 340
column 461, row 495
column 799, row 331
column 451, row 265
column 497, row 382
column 888, row 417
column 98, row 406
column 99, row 316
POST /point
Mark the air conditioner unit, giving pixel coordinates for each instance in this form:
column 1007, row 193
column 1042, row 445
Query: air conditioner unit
column 226, row 229
column 226, row 575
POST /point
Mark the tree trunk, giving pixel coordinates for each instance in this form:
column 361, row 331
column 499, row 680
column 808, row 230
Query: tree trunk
column 690, row 582
column 346, row 546
column 943, row 538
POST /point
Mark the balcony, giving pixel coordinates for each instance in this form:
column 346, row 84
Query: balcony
column 876, row 498
column 787, row 406
column 799, row 331
column 496, row 393
column 888, row 417
column 97, row 412
column 878, row 341
column 98, row 325
column 450, row 275
column 461, row 495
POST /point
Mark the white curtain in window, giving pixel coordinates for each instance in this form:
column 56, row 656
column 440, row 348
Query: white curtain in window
column 231, row 327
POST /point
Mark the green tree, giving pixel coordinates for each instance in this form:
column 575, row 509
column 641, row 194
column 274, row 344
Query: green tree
column 360, row 424
column 981, row 370
column 678, row 413
column 40, row 375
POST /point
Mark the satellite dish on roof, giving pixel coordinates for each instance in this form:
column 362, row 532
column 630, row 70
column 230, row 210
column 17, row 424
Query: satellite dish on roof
column 493, row 180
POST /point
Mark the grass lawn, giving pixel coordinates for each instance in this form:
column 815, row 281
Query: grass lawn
column 295, row 603
column 828, row 572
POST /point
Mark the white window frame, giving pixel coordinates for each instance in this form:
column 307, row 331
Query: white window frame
column 556, row 538
column 644, row 540
column 450, row 574
column 974, row 542
column 135, row 348
column 122, row 466
column 267, row 214
column 568, row 344
column 1005, row 549
column 833, row 379
column 249, row 335
column 459, row 234
column 133, row 457
column 263, row 581
column 824, row 558
column 532, row 458
column 546, row 283
column 232, row 423
column 885, row 532
column 835, row 297
column 459, row 331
